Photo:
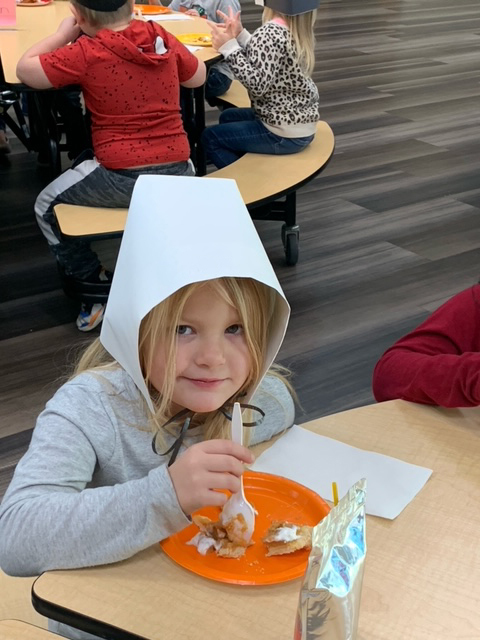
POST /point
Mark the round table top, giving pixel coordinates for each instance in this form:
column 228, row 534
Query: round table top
column 35, row 23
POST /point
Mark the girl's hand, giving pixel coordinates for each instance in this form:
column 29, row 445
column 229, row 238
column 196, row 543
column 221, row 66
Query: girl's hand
column 68, row 30
column 220, row 35
column 205, row 467
column 232, row 22
column 192, row 12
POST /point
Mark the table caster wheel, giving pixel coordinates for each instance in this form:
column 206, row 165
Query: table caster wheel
column 291, row 249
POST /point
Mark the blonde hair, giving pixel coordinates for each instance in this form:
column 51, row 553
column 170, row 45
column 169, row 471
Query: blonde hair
column 303, row 37
column 255, row 304
column 105, row 19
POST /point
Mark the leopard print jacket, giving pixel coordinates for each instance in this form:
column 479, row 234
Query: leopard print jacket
column 280, row 92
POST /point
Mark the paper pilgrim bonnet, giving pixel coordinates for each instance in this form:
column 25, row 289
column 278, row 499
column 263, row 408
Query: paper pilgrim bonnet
column 289, row 7
column 182, row 230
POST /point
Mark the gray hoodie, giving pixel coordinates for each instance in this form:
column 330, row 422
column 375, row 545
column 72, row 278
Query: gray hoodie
column 90, row 490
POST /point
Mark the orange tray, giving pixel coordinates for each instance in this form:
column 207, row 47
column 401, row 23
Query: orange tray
column 274, row 498
column 151, row 9
column 39, row 3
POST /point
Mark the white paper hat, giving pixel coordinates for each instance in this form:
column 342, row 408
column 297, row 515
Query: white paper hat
column 182, row 230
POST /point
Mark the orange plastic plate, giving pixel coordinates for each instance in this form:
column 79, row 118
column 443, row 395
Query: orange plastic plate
column 152, row 9
column 274, row 498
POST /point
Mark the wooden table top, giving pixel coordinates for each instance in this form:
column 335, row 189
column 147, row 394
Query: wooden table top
column 422, row 571
column 36, row 23
column 18, row 630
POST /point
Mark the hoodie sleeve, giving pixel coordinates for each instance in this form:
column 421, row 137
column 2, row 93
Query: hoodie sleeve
column 66, row 65
column 187, row 63
column 225, row 5
column 176, row 4
column 274, row 398
column 438, row 362
column 50, row 518
column 256, row 66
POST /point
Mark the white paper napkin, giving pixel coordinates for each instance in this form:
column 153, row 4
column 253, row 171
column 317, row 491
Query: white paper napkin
column 316, row 461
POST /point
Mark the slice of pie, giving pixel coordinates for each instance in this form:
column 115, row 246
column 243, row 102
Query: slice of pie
column 226, row 540
column 286, row 537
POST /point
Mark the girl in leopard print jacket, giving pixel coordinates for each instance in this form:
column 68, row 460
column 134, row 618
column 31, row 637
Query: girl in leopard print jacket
column 274, row 64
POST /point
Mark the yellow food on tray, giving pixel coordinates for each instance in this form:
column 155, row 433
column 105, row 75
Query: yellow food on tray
column 196, row 39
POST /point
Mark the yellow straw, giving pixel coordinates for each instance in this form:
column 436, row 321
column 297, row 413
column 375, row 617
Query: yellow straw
column 335, row 494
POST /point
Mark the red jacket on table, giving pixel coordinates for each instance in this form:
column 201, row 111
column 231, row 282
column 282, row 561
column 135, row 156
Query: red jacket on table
column 439, row 361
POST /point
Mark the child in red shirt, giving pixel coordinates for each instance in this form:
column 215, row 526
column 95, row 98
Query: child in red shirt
column 438, row 362
column 130, row 73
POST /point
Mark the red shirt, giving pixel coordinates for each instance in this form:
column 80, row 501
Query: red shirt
column 131, row 84
column 439, row 361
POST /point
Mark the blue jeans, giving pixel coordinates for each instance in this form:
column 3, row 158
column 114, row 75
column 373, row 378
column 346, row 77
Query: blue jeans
column 217, row 84
column 241, row 131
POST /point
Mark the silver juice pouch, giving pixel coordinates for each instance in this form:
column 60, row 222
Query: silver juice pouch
column 329, row 600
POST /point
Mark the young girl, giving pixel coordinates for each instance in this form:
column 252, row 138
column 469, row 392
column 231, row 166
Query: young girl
column 95, row 486
column 274, row 64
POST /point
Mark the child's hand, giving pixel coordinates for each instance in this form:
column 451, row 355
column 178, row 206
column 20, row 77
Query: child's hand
column 192, row 12
column 233, row 24
column 219, row 35
column 68, row 30
column 204, row 467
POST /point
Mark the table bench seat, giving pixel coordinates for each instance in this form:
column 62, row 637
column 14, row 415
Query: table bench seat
column 267, row 183
column 236, row 96
column 260, row 179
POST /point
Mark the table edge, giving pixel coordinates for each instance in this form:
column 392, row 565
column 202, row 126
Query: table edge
column 79, row 621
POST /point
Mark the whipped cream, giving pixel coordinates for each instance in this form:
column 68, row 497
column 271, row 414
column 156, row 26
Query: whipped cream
column 204, row 543
column 286, row 534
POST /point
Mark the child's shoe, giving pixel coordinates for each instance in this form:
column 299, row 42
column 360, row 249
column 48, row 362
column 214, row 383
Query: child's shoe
column 4, row 146
column 99, row 276
column 90, row 316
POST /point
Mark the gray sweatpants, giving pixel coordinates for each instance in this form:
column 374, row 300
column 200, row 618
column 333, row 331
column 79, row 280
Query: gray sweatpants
column 90, row 184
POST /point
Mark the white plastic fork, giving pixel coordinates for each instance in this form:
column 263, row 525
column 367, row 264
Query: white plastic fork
column 237, row 503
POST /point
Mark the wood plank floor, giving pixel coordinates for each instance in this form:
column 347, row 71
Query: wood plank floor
column 388, row 232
